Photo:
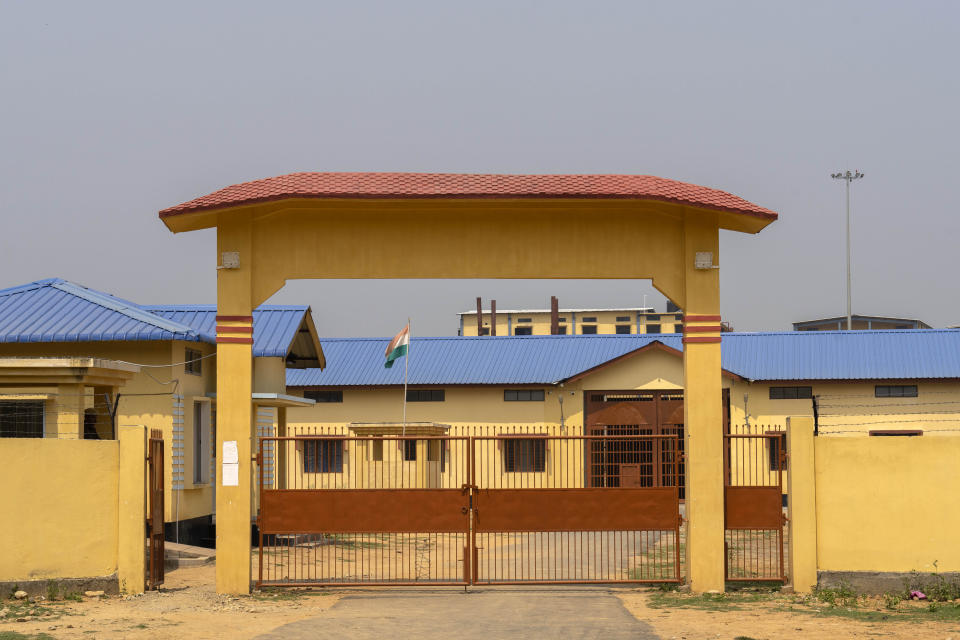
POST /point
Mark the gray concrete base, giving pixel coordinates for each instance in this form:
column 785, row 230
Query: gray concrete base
column 183, row 555
column 107, row 584
column 481, row 614
column 877, row 582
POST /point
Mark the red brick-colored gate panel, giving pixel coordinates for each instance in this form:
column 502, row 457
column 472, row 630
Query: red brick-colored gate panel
column 753, row 507
column 607, row 509
column 363, row 511
column 155, row 488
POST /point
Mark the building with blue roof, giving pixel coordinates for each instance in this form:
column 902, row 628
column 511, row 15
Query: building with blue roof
column 899, row 381
column 175, row 389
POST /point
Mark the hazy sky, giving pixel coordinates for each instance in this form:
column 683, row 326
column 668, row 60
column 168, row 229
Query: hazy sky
column 110, row 112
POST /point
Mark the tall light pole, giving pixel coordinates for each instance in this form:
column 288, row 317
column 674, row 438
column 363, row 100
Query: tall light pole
column 848, row 176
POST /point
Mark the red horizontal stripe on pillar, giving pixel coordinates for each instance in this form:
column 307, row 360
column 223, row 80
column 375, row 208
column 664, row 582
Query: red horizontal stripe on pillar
column 704, row 329
column 694, row 318
column 234, row 318
column 227, row 340
column 226, row 329
column 701, row 339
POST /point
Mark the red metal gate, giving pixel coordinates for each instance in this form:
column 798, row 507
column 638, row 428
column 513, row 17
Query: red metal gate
column 576, row 509
column 459, row 510
column 754, row 521
column 155, row 487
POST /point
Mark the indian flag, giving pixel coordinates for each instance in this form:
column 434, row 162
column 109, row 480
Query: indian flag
column 398, row 346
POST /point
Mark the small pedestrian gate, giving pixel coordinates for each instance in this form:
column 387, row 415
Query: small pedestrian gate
column 155, row 506
column 504, row 509
column 754, row 522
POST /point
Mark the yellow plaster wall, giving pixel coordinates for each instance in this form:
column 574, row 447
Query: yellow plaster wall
column 888, row 504
column 850, row 408
column 60, row 508
column 138, row 405
column 269, row 375
column 462, row 406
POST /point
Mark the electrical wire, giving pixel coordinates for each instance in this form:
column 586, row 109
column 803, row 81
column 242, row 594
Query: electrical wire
column 172, row 364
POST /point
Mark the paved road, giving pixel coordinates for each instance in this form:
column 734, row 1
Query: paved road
column 492, row 614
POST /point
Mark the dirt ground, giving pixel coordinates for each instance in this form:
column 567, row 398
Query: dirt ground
column 188, row 607
column 783, row 616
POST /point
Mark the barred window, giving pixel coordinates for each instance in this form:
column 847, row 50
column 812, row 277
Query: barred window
column 410, row 450
column 653, row 328
column 588, row 319
column 776, row 446
column 523, row 395
column 524, row 455
column 791, row 393
column 425, row 395
column 623, row 318
column 588, row 329
column 895, row 391
column 324, row 395
column 193, row 363
column 21, row 418
column 523, row 331
column 623, row 328
column 323, row 455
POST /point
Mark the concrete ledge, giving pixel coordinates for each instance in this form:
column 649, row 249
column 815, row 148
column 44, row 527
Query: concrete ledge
column 184, row 555
column 108, row 584
column 878, row 582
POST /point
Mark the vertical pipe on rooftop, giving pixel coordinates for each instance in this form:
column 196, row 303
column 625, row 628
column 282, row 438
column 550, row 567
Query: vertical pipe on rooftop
column 554, row 316
column 479, row 317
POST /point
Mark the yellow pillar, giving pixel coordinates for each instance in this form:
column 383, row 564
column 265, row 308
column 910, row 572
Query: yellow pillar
column 802, row 504
column 70, row 410
column 234, row 409
column 703, row 416
column 132, row 530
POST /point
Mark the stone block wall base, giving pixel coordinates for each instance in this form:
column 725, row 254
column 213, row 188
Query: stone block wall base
column 108, row 584
column 876, row 582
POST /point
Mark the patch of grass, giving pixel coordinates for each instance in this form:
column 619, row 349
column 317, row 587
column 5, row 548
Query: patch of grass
column 707, row 601
column 13, row 635
column 53, row 590
column 75, row 596
column 839, row 596
column 936, row 587
column 25, row 609
column 892, row 601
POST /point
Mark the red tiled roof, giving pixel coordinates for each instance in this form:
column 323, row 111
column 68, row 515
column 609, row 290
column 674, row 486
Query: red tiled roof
column 465, row 185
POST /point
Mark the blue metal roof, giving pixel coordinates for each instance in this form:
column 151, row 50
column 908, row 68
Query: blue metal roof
column 274, row 326
column 469, row 360
column 794, row 355
column 56, row 310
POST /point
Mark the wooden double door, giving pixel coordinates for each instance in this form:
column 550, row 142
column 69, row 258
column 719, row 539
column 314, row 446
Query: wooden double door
column 645, row 462
column 624, row 460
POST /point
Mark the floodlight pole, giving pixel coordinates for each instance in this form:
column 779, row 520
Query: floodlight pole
column 848, row 177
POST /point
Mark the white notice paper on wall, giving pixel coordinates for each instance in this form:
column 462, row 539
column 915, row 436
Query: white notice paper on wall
column 231, row 454
column 231, row 474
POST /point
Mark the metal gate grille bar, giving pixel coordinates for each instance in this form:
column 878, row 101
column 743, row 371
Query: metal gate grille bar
column 753, row 506
column 416, row 510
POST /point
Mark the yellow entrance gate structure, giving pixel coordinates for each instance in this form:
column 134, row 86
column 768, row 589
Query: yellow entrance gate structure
column 408, row 225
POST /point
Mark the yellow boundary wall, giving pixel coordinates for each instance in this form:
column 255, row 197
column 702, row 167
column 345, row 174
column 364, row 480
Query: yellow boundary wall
column 871, row 506
column 72, row 510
